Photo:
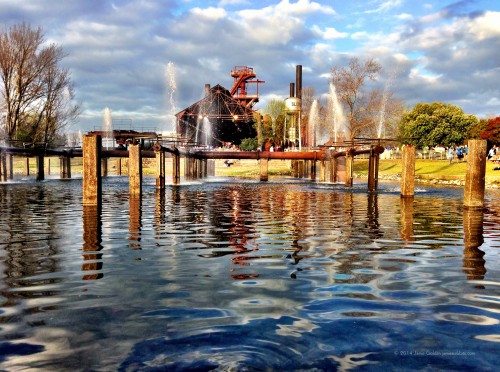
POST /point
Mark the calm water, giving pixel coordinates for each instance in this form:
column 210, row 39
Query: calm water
column 241, row 276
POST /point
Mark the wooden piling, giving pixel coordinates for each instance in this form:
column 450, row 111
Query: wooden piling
column 264, row 169
column 295, row 168
column 9, row 170
column 176, row 168
column 313, row 170
column 92, row 182
column 334, row 170
column 475, row 176
column 64, row 167
column 48, row 166
column 349, row 164
column 322, row 171
column 373, row 164
column 135, row 169
column 118, row 166
column 27, row 169
column 104, row 167
column 408, row 172
column 160, row 169
column 40, row 168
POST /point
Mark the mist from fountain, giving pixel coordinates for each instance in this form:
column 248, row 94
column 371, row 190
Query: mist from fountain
column 313, row 125
column 207, row 130
column 107, row 129
column 383, row 104
column 171, row 89
column 337, row 115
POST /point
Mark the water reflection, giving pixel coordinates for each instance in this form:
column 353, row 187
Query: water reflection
column 473, row 262
column 135, row 223
column 92, row 243
column 406, row 207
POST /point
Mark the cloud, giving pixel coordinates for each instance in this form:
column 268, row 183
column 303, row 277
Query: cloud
column 385, row 6
column 329, row 33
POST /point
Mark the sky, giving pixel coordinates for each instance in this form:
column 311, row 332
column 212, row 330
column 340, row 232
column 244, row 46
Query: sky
column 147, row 59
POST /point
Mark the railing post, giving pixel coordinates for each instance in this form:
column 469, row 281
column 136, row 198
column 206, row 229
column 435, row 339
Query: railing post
column 92, row 182
column 408, row 172
column 475, row 176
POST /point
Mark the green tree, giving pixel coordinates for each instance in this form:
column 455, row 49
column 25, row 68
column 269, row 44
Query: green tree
column 433, row 124
column 275, row 108
column 249, row 144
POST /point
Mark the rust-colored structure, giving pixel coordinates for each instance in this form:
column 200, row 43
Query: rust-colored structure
column 222, row 115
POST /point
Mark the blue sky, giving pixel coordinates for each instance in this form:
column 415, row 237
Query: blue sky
column 118, row 50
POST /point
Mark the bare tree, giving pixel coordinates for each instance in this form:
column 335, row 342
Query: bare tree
column 350, row 85
column 37, row 93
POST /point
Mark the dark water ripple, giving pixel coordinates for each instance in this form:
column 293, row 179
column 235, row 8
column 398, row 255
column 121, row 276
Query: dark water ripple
column 248, row 276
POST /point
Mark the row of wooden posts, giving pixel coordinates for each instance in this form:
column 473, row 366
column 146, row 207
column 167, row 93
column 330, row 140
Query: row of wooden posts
column 331, row 169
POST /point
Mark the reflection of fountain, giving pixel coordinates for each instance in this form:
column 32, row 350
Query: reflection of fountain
column 172, row 87
column 107, row 129
column 313, row 121
column 337, row 115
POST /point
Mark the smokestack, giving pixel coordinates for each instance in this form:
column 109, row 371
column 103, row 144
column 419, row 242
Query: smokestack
column 207, row 89
column 298, row 81
column 292, row 89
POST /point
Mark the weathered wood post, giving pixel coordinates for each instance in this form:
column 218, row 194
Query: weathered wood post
column 135, row 169
column 187, row 168
column 92, row 182
column 27, row 170
column 313, row 170
column 264, row 169
column 301, row 168
column 211, row 167
column 204, row 167
column 373, row 164
column 473, row 261
column 322, row 171
column 160, row 169
column 3, row 175
column 408, row 172
column 64, row 167
column 104, row 167
column 349, row 167
column 295, row 168
column 334, row 167
column 10, row 167
column 118, row 166
column 40, row 168
column 176, row 167
column 475, row 176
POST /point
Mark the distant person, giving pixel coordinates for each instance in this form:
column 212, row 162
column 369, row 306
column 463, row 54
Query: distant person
column 450, row 154
column 460, row 153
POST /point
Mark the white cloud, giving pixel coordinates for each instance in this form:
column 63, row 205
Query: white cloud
column 329, row 33
column 404, row 17
column 209, row 13
column 385, row 6
column 486, row 26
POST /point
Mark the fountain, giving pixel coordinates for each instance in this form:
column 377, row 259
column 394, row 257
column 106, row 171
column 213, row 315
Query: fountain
column 337, row 115
column 107, row 129
column 313, row 121
column 207, row 130
column 172, row 87
column 383, row 105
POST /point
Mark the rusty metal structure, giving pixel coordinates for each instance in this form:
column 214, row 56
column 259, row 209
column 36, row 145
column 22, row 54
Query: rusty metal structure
column 222, row 115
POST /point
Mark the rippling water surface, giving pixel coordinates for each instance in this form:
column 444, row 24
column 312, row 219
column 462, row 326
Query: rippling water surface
column 281, row 276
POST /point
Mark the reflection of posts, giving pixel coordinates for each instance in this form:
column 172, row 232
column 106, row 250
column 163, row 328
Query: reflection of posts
column 406, row 206
column 92, row 238
column 473, row 264
column 135, row 215
column 372, row 216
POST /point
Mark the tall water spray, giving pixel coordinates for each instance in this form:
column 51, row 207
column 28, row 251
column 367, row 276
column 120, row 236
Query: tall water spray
column 207, row 131
column 314, row 134
column 107, row 129
column 337, row 114
column 383, row 104
column 171, row 89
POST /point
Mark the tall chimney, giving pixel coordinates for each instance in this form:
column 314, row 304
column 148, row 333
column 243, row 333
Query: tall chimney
column 298, row 81
column 292, row 89
column 207, row 89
